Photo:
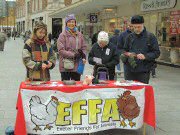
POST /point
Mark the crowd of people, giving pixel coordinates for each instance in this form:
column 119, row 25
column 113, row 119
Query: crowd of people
column 136, row 48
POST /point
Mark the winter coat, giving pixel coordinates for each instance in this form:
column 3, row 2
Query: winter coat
column 139, row 44
column 3, row 37
column 33, row 56
column 66, row 44
column 108, row 54
column 121, row 40
column 114, row 39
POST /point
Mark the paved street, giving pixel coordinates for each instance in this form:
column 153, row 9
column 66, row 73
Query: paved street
column 166, row 86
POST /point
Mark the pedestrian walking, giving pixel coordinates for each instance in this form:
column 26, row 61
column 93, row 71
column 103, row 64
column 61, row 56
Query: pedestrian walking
column 104, row 54
column 153, row 72
column 50, row 37
column 94, row 38
column 38, row 55
column 139, row 52
column 72, row 49
column 3, row 38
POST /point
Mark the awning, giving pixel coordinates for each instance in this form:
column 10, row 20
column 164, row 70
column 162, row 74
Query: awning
column 86, row 6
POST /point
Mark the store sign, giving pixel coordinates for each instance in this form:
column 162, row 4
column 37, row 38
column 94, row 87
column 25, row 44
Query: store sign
column 149, row 5
column 174, row 22
column 93, row 18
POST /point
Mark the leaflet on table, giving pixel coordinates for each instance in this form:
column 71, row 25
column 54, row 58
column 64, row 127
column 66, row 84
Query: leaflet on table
column 128, row 83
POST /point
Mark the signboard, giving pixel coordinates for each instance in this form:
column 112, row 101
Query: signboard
column 175, row 22
column 86, row 111
column 93, row 18
column 149, row 5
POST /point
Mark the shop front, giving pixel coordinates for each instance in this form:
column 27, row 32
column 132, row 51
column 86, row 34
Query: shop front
column 162, row 18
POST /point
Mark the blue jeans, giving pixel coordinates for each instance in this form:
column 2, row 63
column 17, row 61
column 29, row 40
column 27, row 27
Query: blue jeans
column 118, row 67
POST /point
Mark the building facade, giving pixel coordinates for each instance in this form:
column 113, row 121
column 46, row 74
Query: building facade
column 20, row 15
column 7, row 15
column 31, row 11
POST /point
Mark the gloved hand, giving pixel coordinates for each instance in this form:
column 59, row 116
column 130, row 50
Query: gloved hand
column 132, row 62
column 45, row 62
column 77, row 56
column 83, row 56
column 124, row 58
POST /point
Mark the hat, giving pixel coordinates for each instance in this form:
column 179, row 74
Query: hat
column 103, row 36
column 70, row 17
column 137, row 19
column 39, row 25
column 116, row 31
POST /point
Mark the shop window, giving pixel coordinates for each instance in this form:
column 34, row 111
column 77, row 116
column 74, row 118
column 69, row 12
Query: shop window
column 170, row 35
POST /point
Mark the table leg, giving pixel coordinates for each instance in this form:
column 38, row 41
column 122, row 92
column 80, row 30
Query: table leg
column 144, row 129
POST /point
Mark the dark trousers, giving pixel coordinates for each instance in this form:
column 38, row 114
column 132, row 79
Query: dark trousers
column 137, row 76
column 70, row 76
column 153, row 72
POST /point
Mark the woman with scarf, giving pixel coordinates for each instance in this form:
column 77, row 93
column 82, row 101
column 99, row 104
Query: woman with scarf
column 38, row 56
column 72, row 48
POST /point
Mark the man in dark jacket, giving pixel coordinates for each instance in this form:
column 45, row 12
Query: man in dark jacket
column 114, row 38
column 122, row 37
column 139, row 52
column 104, row 54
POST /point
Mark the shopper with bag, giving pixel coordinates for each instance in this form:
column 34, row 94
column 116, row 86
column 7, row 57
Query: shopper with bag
column 72, row 49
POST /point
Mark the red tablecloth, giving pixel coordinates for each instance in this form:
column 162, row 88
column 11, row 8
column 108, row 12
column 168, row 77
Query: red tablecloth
column 149, row 111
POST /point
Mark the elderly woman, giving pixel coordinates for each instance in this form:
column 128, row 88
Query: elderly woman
column 104, row 54
column 71, row 46
column 38, row 55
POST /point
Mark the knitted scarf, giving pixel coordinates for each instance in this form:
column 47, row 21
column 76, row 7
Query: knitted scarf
column 40, row 41
column 72, row 31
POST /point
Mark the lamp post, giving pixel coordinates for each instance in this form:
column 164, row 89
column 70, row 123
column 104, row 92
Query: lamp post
column 0, row 24
column 14, row 22
column 7, row 13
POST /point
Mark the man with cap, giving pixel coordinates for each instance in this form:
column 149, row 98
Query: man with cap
column 72, row 47
column 104, row 54
column 139, row 52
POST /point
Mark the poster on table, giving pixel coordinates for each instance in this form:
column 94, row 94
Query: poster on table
column 86, row 111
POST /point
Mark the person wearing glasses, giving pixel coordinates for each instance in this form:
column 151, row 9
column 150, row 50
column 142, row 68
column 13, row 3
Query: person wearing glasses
column 139, row 52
